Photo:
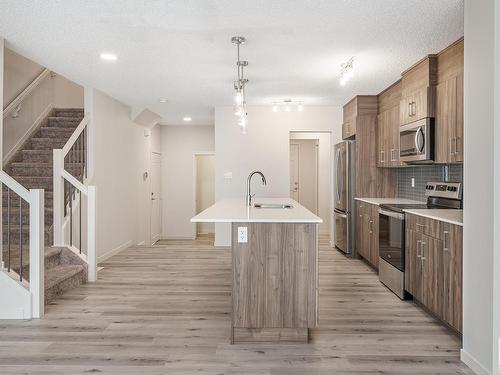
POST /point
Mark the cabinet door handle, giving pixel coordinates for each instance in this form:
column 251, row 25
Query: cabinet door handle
column 455, row 142
column 445, row 243
column 421, row 226
column 370, row 228
column 382, row 156
column 409, row 109
column 419, row 249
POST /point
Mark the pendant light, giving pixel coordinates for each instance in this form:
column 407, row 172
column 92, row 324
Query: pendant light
column 239, row 86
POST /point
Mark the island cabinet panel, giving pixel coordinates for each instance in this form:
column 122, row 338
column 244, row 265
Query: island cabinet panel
column 275, row 280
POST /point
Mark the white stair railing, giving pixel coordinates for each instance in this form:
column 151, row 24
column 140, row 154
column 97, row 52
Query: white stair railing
column 35, row 200
column 69, row 186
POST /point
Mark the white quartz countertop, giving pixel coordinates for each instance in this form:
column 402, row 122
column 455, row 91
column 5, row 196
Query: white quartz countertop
column 231, row 210
column 447, row 215
column 379, row 201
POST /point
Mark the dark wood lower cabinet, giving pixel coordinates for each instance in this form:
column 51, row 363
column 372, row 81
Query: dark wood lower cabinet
column 367, row 232
column 433, row 268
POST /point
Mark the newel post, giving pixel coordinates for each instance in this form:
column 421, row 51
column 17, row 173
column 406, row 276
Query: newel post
column 58, row 196
column 91, row 233
column 37, row 249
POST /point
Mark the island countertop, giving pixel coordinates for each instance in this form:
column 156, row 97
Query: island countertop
column 232, row 210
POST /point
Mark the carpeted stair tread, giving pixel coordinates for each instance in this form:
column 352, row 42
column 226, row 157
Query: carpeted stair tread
column 52, row 258
column 57, row 274
column 32, row 167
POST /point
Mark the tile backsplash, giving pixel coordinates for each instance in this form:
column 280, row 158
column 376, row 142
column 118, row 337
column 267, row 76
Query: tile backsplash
column 423, row 174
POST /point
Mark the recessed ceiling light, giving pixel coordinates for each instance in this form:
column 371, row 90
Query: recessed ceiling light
column 163, row 100
column 187, row 119
column 108, row 56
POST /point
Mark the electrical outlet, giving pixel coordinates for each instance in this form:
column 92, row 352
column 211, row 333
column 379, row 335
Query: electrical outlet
column 413, row 182
column 242, row 234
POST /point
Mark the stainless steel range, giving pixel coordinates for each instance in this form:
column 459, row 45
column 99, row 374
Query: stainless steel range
column 392, row 230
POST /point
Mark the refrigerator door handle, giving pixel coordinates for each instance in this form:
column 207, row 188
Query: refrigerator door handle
column 338, row 177
column 339, row 214
column 342, row 171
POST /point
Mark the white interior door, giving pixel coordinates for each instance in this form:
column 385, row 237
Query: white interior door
column 294, row 171
column 304, row 172
column 155, row 197
column 205, row 189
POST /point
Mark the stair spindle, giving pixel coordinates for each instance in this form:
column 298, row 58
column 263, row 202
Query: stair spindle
column 80, row 230
column 8, row 225
column 71, row 214
column 21, row 238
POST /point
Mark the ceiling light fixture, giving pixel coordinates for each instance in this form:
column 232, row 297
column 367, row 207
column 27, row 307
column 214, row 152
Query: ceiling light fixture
column 239, row 86
column 288, row 104
column 346, row 71
column 187, row 119
column 108, row 56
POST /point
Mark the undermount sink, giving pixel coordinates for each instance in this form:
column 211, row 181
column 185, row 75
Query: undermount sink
column 272, row 205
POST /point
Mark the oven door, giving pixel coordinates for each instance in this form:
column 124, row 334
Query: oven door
column 416, row 141
column 391, row 238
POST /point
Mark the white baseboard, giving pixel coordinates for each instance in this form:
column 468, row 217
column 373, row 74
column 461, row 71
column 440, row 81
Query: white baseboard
column 175, row 237
column 114, row 251
column 222, row 243
column 473, row 364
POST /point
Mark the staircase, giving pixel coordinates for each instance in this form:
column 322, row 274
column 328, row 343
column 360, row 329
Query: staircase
column 32, row 167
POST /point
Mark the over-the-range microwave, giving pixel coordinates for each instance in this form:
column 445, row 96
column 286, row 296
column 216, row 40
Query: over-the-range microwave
column 416, row 141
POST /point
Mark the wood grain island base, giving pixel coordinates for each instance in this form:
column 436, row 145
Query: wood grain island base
column 274, row 282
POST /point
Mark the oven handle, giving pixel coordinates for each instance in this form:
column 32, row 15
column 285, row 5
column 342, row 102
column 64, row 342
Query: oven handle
column 395, row 215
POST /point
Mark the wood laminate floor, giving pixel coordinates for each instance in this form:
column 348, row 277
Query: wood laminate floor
column 165, row 310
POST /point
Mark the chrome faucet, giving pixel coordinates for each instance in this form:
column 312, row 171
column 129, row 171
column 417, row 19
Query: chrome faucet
column 249, row 179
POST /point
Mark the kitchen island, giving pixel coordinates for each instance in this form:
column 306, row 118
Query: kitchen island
column 274, row 268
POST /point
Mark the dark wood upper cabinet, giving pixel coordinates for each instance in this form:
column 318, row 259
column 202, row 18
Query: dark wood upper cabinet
column 418, row 92
column 388, row 126
column 450, row 105
column 361, row 105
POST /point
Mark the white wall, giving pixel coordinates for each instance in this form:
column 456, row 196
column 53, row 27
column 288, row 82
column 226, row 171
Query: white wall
column 179, row 144
column 265, row 147
column 56, row 91
column 122, row 154
column 325, row 176
column 480, row 324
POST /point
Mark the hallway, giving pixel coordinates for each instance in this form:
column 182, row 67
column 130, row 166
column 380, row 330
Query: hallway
column 165, row 310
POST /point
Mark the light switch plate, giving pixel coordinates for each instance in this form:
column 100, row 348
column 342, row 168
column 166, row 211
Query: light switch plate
column 228, row 175
column 242, row 234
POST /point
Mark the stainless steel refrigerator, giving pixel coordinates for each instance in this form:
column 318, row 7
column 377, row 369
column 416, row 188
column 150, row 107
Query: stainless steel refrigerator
column 344, row 190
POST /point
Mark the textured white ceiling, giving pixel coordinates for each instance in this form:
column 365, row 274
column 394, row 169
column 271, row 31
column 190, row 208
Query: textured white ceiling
column 181, row 49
